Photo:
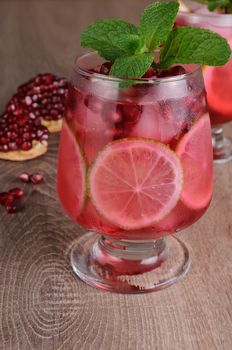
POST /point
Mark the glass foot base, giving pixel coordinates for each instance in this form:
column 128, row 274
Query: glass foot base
column 129, row 266
column 222, row 147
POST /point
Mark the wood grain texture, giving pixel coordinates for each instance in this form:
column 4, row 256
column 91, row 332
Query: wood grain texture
column 43, row 306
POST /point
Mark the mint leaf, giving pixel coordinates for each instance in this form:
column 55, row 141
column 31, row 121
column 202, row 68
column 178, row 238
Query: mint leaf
column 214, row 4
column 223, row 5
column 112, row 38
column 194, row 45
column 157, row 21
column 132, row 66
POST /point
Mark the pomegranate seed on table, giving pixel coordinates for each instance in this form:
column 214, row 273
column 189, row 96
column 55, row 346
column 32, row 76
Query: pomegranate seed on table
column 6, row 197
column 36, row 178
column 24, row 177
column 16, row 192
column 11, row 208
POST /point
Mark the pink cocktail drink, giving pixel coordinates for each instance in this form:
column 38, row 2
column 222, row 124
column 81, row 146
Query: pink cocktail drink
column 218, row 80
column 135, row 163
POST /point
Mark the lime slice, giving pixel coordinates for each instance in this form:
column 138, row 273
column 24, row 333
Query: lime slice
column 134, row 183
column 71, row 174
column 196, row 155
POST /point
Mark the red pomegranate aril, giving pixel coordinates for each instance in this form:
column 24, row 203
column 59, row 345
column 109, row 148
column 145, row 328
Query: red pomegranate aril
column 28, row 100
column 4, row 140
column 22, row 120
column 26, row 146
column 18, row 111
column 6, row 198
column 54, row 112
column 149, row 73
column 47, row 117
column 19, row 141
column 13, row 146
column 13, row 127
column 44, row 137
column 5, row 148
column 44, row 101
column 105, row 68
column 48, row 78
column 11, row 208
column 36, row 178
column 34, row 97
column 32, row 115
column 61, row 91
column 16, row 192
column 177, row 70
column 24, row 177
column 12, row 119
column 13, row 135
column 131, row 113
column 174, row 71
column 20, row 131
column 27, row 136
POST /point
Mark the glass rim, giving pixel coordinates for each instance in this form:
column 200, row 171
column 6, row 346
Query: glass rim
column 223, row 20
column 86, row 72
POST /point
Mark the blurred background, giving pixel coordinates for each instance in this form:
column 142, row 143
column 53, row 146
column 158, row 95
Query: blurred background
column 37, row 36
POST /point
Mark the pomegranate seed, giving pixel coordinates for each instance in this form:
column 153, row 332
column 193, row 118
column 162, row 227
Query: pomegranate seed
column 13, row 135
column 177, row 70
column 36, row 178
column 13, row 127
column 20, row 131
column 18, row 111
column 28, row 100
column 32, row 115
column 19, row 141
column 13, row 146
column 16, row 192
column 48, row 117
column 26, row 145
column 6, row 198
column 105, row 68
column 5, row 148
column 11, row 208
column 24, row 177
column 27, row 136
column 4, row 140
column 22, row 120
column 34, row 97
column 48, row 78
column 44, row 137
column 149, row 73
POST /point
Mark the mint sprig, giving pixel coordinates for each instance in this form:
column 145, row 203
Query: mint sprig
column 131, row 48
column 193, row 45
column 112, row 38
column 156, row 23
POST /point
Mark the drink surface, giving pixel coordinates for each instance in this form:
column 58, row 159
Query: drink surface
column 218, row 80
column 135, row 163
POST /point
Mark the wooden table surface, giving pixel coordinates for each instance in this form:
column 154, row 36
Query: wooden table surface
column 43, row 306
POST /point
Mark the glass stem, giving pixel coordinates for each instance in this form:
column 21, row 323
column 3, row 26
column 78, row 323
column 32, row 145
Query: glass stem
column 218, row 137
column 128, row 257
column 222, row 148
